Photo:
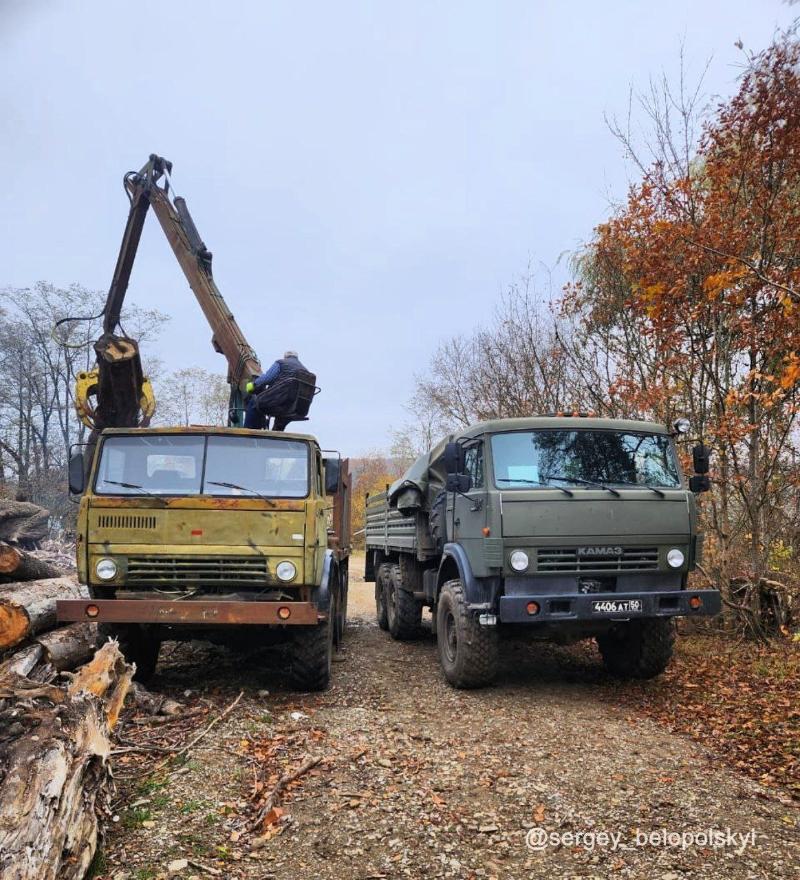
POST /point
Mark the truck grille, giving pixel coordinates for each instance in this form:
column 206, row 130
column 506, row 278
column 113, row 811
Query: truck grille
column 191, row 570
column 567, row 559
column 125, row 521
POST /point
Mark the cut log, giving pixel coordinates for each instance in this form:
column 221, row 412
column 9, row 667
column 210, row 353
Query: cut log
column 23, row 523
column 68, row 646
column 154, row 704
column 30, row 608
column 22, row 663
column 17, row 565
column 56, row 771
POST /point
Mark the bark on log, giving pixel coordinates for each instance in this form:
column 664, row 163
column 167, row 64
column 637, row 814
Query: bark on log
column 22, row 522
column 68, row 646
column 54, row 775
column 17, row 565
column 154, row 704
column 21, row 663
column 30, row 608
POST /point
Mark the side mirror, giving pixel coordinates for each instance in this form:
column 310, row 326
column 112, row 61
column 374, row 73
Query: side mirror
column 77, row 474
column 701, row 458
column 333, row 468
column 454, row 458
column 699, row 483
column 458, row 483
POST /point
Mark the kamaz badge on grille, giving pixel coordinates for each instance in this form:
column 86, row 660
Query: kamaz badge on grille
column 599, row 551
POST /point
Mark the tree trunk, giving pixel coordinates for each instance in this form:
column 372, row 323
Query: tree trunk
column 30, row 608
column 17, row 565
column 23, row 523
column 57, row 776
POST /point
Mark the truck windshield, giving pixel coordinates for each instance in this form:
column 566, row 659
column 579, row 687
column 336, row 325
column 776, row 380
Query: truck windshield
column 583, row 459
column 179, row 464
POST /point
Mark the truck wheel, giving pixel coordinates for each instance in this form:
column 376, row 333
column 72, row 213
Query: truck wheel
column 312, row 655
column 340, row 618
column 381, row 588
column 403, row 611
column 638, row 648
column 467, row 650
column 138, row 645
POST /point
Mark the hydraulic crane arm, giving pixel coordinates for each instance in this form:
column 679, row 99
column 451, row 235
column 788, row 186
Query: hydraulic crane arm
column 123, row 395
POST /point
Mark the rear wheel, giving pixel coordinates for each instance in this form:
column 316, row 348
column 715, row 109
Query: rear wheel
column 467, row 650
column 340, row 620
column 312, row 655
column 382, row 577
column 638, row 648
column 403, row 611
column 138, row 643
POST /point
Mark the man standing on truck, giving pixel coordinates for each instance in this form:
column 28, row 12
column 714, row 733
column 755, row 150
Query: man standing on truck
column 277, row 393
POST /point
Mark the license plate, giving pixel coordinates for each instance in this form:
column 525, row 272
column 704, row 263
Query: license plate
column 616, row 606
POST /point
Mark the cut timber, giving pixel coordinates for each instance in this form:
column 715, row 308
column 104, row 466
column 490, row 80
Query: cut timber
column 30, row 608
column 68, row 646
column 154, row 704
column 21, row 663
column 17, row 565
column 22, row 522
column 54, row 775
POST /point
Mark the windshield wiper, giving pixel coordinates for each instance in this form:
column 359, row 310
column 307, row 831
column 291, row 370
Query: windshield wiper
column 535, row 483
column 641, row 486
column 584, row 483
column 135, row 486
column 241, row 488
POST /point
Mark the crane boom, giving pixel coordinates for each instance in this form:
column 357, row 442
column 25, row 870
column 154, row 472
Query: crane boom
column 123, row 395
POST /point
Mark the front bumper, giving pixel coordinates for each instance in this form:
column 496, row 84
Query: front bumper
column 197, row 611
column 580, row 606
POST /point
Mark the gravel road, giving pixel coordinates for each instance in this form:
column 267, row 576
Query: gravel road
column 421, row 781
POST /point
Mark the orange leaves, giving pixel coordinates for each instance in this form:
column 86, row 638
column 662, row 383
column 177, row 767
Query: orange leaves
column 791, row 372
column 718, row 283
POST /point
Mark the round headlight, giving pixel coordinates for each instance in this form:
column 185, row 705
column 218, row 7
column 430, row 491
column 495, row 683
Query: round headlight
column 286, row 571
column 106, row 569
column 519, row 560
column 675, row 558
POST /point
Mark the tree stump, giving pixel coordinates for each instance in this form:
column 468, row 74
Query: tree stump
column 54, row 774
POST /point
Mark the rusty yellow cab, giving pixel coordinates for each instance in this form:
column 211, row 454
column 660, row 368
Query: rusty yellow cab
column 187, row 528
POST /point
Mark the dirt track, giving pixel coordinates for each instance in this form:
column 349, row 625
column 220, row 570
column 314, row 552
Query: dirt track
column 418, row 780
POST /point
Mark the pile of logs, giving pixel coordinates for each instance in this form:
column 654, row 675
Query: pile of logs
column 55, row 724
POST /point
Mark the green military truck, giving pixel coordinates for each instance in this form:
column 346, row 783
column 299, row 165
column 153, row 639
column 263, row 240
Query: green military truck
column 563, row 527
column 226, row 534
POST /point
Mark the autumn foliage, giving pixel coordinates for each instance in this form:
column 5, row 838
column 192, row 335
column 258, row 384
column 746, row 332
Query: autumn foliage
column 693, row 286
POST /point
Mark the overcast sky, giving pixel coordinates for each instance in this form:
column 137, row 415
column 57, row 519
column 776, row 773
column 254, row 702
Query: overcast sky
column 369, row 176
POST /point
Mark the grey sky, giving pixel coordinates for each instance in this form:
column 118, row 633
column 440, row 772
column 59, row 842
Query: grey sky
column 351, row 165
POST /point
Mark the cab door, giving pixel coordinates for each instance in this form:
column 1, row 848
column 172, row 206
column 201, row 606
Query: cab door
column 469, row 509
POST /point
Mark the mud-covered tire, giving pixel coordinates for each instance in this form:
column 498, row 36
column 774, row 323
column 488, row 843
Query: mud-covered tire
column 403, row 611
column 638, row 648
column 467, row 651
column 381, row 581
column 312, row 656
column 138, row 645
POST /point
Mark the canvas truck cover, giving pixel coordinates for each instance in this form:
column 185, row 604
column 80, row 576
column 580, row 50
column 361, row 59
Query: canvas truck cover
column 422, row 482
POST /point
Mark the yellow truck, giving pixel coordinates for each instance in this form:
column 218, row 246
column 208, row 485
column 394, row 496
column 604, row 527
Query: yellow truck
column 190, row 532
column 225, row 533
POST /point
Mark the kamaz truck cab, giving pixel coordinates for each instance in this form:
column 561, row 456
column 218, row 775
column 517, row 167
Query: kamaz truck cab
column 219, row 533
column 563, row 527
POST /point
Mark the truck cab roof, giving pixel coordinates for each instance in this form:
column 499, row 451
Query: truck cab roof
column 570, row 423
column 213, row 429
